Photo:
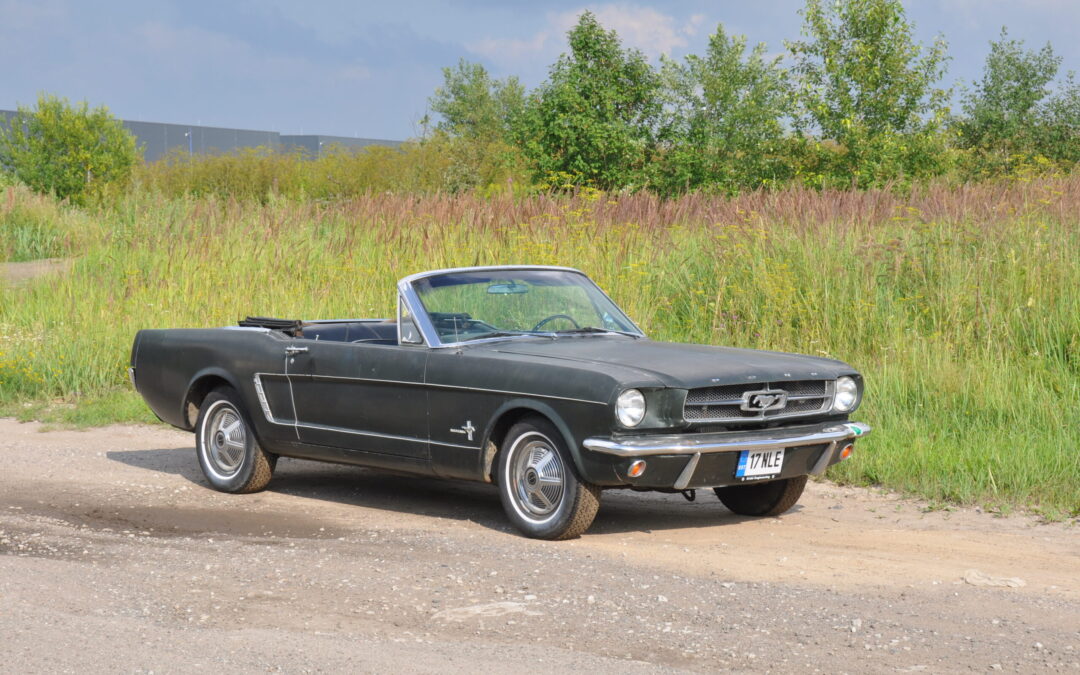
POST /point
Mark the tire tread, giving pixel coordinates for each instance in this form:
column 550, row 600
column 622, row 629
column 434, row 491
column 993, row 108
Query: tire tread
column 584, row 496
column 263, row 463
column 762, row 499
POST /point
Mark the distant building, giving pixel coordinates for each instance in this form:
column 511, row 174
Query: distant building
column 314, row 146
column 157, row 139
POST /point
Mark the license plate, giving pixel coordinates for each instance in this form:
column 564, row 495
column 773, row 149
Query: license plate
column 759, row 464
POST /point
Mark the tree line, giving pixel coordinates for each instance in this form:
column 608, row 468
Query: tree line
column 856, row 102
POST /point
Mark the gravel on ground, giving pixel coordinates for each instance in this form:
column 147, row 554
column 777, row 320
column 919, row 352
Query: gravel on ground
column 116, row 556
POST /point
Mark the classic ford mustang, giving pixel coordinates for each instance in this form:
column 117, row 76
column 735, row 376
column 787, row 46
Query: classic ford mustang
column 529, row 377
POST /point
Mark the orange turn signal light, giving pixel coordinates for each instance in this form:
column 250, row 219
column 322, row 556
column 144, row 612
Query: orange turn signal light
column 636, row 468
column 846, row 452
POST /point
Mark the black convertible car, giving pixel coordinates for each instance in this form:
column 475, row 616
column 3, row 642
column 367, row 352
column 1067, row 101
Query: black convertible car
column 529, row 377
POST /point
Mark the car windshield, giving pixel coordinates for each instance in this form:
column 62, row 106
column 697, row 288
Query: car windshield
column 480, row 304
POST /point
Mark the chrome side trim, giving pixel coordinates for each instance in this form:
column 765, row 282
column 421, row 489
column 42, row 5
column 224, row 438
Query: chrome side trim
column 263, row 403
column 373, row 434
column 734, row 441
column 458, row 387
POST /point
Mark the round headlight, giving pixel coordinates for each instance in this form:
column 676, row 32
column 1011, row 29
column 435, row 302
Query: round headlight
column 630, row 408
column 846, row 396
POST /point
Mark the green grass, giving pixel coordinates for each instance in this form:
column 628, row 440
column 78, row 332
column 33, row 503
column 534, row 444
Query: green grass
column 959, row 305
column 115, row 406
column 30, row 229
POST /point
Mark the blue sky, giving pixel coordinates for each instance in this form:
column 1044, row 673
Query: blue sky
column 367, row 69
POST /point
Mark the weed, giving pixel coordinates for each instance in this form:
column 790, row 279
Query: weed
column 958, row 304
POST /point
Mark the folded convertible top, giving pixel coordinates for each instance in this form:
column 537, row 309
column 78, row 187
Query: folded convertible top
column 293, row 327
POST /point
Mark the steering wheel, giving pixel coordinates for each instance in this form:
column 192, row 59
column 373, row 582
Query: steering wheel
column 569, row 318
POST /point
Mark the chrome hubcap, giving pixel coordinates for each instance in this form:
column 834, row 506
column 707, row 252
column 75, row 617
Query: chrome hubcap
column 225, row 440
column 537, row 477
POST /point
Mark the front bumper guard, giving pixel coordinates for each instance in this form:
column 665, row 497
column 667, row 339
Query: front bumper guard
column 732, row 441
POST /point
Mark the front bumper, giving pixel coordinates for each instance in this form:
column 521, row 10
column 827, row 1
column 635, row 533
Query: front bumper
column 820, row 445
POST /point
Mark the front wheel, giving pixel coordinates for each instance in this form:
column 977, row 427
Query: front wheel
column 231, row 458
column 539, row 488
column 762, row 499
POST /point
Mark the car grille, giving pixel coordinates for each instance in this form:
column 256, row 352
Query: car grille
column 733, row 403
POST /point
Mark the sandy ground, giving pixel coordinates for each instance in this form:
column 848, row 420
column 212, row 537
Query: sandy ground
column 115, row 556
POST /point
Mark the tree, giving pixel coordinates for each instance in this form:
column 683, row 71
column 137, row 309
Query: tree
column 1059, row 135
column 1011, row 116
column 593, row 120
column 865, row 84
column 68, row 151
column 474, row 105
column 474, row 131
column 724, row 123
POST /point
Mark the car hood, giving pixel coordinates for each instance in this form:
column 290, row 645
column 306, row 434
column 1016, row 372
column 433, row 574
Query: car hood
column 680, row 365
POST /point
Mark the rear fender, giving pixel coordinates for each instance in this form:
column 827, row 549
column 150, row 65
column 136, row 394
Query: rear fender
column 201, row 384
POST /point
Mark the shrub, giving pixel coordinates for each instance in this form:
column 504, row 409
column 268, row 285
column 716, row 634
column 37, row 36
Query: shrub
column 594, row 117
column 68, row 151
column 864, row 83
column 723, row 128
column 1011, row 122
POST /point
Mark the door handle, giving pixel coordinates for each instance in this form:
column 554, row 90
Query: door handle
column 293, row 351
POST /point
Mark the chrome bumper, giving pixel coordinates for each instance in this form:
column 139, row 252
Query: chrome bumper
column 732, row 441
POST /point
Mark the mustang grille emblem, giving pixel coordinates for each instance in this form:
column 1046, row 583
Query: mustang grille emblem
column 764, row 399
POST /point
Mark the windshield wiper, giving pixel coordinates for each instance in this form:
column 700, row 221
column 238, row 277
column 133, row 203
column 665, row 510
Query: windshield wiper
column 593, row 330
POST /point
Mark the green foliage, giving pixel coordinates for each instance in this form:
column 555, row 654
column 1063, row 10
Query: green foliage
column 473, row 105
column 25, row 235
column 1011, row 120
column 957, row 303
column 115, row 406
column 866, row 85
column 1059, row 135
column 594, row 117
column 723, row 127
column 425, row 166
column 33, row 227
column 474, row 131
column 72, row 152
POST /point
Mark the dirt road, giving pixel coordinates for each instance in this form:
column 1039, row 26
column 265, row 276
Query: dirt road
column 114, row 556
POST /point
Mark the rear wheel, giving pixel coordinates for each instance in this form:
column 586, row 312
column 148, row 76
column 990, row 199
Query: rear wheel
column 540, row 491
column 231, row 458
column 762, row 499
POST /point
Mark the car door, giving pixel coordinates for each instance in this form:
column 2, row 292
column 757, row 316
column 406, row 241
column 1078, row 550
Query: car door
column 462, row 400
column 361, row 396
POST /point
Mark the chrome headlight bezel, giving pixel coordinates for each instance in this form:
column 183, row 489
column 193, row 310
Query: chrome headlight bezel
column 845, row 394
column 630, row 408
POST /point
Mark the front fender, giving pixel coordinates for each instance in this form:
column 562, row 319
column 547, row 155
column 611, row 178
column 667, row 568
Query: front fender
column 590, row 470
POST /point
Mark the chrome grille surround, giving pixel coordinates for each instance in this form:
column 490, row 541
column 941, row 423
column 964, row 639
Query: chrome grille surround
column 732, row 402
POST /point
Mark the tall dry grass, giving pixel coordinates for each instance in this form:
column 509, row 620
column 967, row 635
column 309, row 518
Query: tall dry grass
column 958, row 304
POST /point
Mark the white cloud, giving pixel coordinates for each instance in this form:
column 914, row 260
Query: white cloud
column 644, row 28
column 511, row 48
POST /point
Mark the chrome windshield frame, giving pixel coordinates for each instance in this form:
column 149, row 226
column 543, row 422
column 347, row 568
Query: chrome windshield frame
column 407, row 294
